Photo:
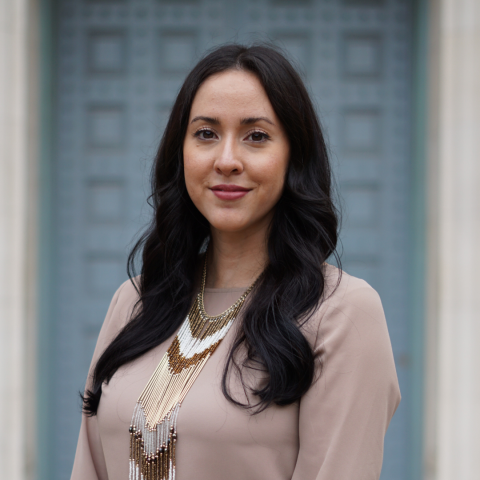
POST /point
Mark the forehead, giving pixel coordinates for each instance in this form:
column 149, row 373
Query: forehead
column 234, row 92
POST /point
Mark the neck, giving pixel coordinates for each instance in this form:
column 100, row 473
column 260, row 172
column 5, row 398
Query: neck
column 236, row 259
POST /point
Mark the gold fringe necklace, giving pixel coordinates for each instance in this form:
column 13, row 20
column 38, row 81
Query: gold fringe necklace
column 153, row 432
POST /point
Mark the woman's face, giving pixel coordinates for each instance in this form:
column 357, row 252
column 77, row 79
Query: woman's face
column 235, row 153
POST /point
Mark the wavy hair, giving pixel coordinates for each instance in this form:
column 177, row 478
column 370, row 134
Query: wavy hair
column 302, row 235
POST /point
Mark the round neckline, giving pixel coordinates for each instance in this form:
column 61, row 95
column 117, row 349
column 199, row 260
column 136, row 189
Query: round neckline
column 225, row 290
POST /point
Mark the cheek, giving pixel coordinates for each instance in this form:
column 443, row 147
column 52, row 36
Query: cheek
column 193, row 170
column 188, row 173
column 272, row 176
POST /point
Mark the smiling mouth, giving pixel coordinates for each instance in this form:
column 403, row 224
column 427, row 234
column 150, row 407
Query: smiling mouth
column 229, row 192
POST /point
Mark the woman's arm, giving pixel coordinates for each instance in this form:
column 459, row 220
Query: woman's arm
column 345, row 414
column 89, row 461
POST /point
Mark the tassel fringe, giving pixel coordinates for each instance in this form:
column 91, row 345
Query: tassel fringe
column 153, row 431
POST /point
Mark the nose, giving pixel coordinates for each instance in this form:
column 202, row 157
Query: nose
column 228, row 161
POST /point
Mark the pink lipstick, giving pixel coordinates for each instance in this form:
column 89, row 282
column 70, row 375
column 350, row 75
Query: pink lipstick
column 229, row 192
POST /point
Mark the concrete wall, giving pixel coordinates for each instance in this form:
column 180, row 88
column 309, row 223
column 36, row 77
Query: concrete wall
column 18, row 213
column 452, row 405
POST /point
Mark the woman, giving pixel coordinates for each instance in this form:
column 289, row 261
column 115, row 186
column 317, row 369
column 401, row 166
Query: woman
column 296, row 379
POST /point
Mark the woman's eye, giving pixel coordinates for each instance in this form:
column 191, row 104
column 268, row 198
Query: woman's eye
column 205, row 134
column 257, row 137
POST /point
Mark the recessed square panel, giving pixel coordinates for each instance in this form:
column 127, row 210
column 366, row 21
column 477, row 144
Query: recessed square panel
column 106, row 127
column 106, row 200
column 107, row 52
column 362, row 205
column 364, row 3
column 291, row 3
column 104, row 274
column 177, row 51
column 361, row 242
column 297, row 46
column 362, row 55
column 360, row 168
column 361, row 130
column 178, row 2
column 106, row 237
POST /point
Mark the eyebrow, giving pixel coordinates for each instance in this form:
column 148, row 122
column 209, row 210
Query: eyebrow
column 250, row 120
column 213, row 120
column 244, row 121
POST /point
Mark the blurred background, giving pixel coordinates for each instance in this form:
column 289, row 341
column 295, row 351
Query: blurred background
column 85, row 89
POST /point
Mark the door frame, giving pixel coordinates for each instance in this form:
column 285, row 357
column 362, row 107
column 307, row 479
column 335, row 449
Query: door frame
column 46, row 268
column 46, row 315
column 418, row 202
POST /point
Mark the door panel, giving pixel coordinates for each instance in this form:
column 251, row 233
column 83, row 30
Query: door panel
column 120, row 64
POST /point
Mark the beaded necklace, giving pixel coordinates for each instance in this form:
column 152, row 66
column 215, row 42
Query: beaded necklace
column 153, row 431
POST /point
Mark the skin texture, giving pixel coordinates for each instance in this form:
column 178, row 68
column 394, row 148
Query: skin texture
column 234, row 137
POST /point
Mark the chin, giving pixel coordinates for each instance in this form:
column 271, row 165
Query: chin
column 229, row 225
column 230, row 228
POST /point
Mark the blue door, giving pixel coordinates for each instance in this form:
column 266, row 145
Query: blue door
column 120, row 64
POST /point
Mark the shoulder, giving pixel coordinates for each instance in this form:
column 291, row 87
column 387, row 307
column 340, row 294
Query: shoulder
column 122, row 306
column 128, row 295
column 349, row 332
column 345, row 292
column 350, row 315
column 128, row 292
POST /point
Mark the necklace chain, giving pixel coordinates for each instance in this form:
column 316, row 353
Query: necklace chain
column 229, row 310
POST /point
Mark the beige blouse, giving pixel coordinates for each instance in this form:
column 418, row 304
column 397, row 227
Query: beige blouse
column 335, row 432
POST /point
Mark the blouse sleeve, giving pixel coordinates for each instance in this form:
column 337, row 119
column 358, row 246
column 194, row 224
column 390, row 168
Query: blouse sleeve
column 89, row 461
column 345, row 414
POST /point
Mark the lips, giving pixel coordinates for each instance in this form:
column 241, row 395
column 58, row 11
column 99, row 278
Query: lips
column 229, row 192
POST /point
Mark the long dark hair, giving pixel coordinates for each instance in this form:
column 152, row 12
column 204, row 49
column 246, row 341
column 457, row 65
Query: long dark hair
column 302, row 235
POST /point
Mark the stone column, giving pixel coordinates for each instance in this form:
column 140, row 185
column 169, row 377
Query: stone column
column 18, row 203
column 453, row 332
